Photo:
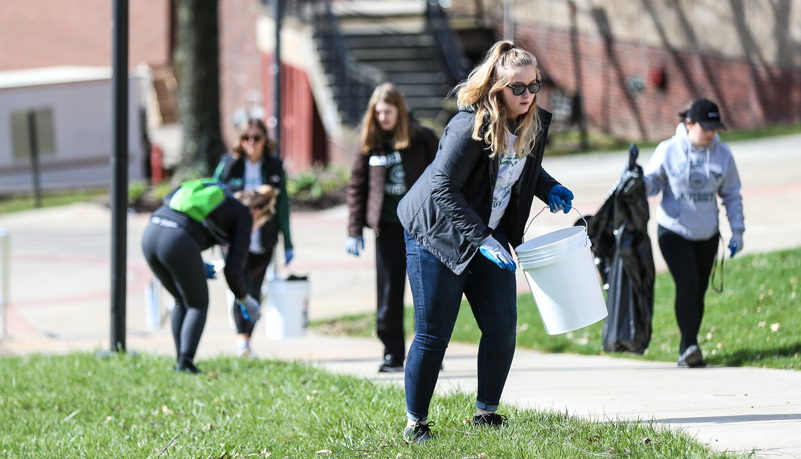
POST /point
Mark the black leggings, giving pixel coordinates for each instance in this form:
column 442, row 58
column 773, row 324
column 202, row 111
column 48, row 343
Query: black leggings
column 256, row 269
column 690, row 264
column 174, row 257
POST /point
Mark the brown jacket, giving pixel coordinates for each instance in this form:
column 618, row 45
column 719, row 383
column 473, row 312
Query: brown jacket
column 366, row 185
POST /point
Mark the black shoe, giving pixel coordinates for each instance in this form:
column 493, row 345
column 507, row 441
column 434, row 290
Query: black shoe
column 391, row 365
column 491, row 419
column 692, row 358
column 418, row 433
column 187, row 367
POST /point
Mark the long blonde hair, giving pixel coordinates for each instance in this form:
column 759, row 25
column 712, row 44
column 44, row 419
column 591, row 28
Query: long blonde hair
column 262, row 199
column 371, row 131
column 482, row 92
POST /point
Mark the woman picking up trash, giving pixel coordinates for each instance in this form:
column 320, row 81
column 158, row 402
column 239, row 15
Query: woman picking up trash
column 460, row 218
column 197, row 216
column 691, row 169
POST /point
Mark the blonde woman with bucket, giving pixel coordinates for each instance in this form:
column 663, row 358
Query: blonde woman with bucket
column 460, row 218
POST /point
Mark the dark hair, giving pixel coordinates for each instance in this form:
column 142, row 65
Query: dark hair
column 269, row 145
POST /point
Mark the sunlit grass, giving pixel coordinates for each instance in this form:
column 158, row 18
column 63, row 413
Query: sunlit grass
column 80, row 405
column 752, row 323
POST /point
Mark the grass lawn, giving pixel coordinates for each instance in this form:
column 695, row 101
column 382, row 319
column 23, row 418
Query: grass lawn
column 82, row 405
column 753, row 322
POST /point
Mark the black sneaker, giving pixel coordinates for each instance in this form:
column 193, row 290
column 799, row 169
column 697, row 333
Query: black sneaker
column 391, row 365
column 418, row 433
column 187, row 367
column 491, row 419
column 692, row 358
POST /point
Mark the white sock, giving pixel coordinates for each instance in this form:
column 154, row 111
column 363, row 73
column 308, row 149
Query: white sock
column 480, row 412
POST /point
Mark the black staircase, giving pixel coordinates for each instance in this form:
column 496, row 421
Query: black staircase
column 363, row 43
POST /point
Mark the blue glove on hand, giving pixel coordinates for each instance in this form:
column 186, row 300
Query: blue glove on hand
column 736, row 243
column 251, row 310
column 560, row 198
column 352, row 245
column 289, row 254
column 211, row 273
column 494, row 251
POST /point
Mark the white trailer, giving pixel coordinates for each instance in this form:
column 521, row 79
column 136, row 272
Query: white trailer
column 62, row 116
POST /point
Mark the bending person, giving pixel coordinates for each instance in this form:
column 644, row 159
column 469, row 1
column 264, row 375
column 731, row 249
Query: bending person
column 197, row 216
column 460, row 218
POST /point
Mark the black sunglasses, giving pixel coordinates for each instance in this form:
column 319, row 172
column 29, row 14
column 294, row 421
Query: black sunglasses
column 533, row 88
column 255, row 138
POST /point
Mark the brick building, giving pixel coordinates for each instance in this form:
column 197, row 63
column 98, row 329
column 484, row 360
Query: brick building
column 640, row 62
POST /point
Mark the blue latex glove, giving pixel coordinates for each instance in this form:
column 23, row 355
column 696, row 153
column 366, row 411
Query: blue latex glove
column 289, row 254
column 211, row 273
column 494, row 251
column 251, row 310
column 352, row 245
column 560, row 198
column 736, row 243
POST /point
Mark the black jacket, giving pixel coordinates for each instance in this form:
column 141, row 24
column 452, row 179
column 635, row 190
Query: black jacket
column 448, row 208
column 231, row 171
column 366, row 185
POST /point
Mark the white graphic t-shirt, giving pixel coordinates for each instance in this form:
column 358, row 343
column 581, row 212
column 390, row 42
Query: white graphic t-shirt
column 252, row 180
column 508, row 172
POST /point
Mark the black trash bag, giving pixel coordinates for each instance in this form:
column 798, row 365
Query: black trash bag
column 620, row 243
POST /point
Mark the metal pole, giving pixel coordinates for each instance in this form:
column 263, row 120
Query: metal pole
column 508, row 20
column 5, row 247
column 276, row 70
column 119, row 167
column 579, row 105
column 32, row 139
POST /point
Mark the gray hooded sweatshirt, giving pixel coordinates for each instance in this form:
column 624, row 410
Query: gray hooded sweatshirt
column 689, row 179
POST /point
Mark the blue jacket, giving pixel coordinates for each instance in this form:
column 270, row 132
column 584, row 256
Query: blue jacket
column 448, row 208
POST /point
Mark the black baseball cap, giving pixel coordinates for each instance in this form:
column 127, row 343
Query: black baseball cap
column 707, row 113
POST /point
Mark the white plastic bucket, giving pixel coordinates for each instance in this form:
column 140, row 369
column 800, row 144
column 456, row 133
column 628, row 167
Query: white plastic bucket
column 287, row 310
column 561, row 274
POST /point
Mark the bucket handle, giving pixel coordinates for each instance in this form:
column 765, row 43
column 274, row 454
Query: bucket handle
column 547, row 207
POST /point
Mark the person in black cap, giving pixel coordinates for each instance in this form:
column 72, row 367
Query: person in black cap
column 692, row 169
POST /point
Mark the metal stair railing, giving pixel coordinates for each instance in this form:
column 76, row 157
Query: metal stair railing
column 448, row 47
column 352, row 81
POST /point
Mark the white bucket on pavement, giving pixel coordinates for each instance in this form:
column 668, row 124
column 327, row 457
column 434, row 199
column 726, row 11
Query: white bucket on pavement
column 287, row 310
column 561, row 274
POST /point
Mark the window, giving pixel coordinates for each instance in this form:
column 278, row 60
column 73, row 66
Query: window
column 33, row 124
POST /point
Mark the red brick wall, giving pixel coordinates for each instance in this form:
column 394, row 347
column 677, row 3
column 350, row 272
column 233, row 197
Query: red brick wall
column 749, row 94
column 48, row 33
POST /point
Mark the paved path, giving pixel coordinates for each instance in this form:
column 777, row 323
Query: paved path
column 60, row 282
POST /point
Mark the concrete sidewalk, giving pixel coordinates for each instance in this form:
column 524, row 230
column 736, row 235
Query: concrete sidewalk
column 60, row 283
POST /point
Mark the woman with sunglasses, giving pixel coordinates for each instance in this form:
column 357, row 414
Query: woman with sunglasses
column 252, row 163
column 394, row 152
column 461, row 217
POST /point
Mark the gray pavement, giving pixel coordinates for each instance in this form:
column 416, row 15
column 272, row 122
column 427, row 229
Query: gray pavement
column 59, row 301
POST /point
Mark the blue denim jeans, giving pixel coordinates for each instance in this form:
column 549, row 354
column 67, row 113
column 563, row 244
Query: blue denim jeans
column 437, row 294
